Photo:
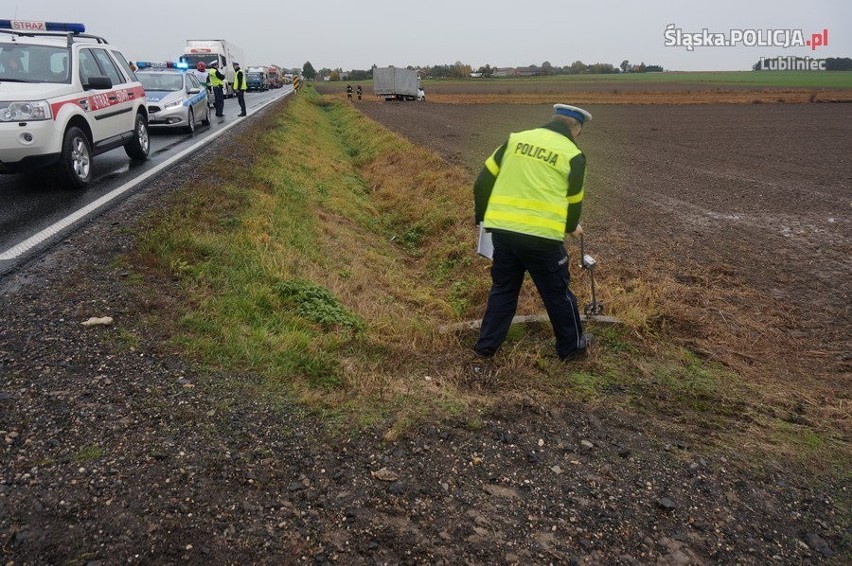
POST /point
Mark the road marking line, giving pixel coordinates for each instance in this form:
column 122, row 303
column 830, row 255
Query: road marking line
column 60, row 225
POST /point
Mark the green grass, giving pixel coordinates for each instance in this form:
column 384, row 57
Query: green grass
column 88, row 453
column 718, row 79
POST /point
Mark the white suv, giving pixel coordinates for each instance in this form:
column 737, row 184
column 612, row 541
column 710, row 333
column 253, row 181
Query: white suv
column 64, row 98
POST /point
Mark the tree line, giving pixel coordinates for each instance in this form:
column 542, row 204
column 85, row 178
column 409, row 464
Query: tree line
column 459, row 70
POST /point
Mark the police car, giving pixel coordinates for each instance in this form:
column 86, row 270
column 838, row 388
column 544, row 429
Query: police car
column 65, row 97
column 175, row 97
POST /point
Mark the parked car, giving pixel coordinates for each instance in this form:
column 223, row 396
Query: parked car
column 175, row 97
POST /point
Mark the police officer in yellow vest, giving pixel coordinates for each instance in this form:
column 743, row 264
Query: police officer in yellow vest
column 528, row 196
column 240, row 87
column 217, row 83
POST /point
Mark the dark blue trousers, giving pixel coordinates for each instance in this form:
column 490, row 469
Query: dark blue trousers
column 547, row 263
column 219, row 100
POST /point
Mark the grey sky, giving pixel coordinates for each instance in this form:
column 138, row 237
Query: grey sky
column 359, row 33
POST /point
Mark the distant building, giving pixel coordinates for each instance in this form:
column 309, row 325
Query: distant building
column 504, row 72
column 527, row 71
column 475, row 75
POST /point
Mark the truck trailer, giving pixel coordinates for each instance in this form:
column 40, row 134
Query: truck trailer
column 397, row 84
column 220, row 50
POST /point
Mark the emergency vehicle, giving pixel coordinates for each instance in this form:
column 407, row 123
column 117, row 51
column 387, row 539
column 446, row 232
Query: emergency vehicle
column 66, row 97
column 175, row 97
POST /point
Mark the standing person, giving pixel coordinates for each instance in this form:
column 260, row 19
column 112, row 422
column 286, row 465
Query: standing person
column 240, row 87
column 217, row 83
column 349, row 92
column 200, row 73
column 529, row 195
column 359, row 92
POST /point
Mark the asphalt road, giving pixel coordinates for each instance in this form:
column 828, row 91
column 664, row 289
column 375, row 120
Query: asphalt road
column 34, row 213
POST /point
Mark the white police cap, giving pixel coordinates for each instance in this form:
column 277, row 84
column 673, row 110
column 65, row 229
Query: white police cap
column 578, row 114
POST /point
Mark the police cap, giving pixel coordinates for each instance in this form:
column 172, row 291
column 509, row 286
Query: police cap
column 578, row 114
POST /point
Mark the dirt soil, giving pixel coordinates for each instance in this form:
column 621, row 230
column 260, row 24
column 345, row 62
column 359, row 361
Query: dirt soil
column 117, row 450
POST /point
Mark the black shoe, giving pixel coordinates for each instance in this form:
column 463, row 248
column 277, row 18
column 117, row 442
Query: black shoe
column 586, row 340
column 483, row 353
column 241, row 114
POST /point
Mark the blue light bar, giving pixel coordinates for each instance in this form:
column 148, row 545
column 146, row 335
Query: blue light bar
column 157, row 65
column 28, row 26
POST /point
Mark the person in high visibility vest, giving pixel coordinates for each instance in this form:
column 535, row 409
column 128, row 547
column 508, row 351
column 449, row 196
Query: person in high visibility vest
column 217, row 83
column 240, row 87
column 528, row 196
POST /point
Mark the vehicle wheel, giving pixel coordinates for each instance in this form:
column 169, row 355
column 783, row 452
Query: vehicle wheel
column 139, row 145
column 205, row 121
column 74, row 169
column 190, row 122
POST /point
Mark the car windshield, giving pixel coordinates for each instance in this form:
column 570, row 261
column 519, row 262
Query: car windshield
column 255, row 76
column 25, row 63
column 195, row 59
column 161, row 81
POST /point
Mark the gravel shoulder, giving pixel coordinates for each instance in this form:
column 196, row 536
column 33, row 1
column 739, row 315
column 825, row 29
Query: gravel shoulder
column 115, row 449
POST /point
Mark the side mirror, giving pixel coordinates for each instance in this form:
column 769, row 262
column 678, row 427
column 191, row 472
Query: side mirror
column 99, row 83
column 193, row 91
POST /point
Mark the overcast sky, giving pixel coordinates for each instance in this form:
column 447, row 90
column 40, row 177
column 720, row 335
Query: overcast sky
column 359, row 33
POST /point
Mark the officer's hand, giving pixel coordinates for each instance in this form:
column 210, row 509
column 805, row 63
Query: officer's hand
column 577, row 232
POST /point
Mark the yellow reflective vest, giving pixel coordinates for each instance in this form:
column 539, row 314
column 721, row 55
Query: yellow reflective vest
column 214, row 80
column 240, row 80
column 530, row 193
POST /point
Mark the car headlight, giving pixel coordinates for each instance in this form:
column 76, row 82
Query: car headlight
column 25, row 111
column 173, row 104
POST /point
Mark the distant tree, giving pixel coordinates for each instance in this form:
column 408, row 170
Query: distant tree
column 838, row 64
column 459, row 70
column 625, row 66
column 359, row 75
column 577, row 68
column 602, row 69
column 308, row 71
column 654, row 69
column 486, row 71
column 440, row 71
column 546, row 68
column 334, row 76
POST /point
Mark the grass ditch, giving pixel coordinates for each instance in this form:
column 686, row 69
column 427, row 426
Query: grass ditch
column 328, row 251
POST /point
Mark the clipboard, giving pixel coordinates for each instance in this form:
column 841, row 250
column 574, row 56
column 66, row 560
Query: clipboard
column 485, row 246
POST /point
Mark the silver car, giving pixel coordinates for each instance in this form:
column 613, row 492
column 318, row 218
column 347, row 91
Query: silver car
column 175, row 99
